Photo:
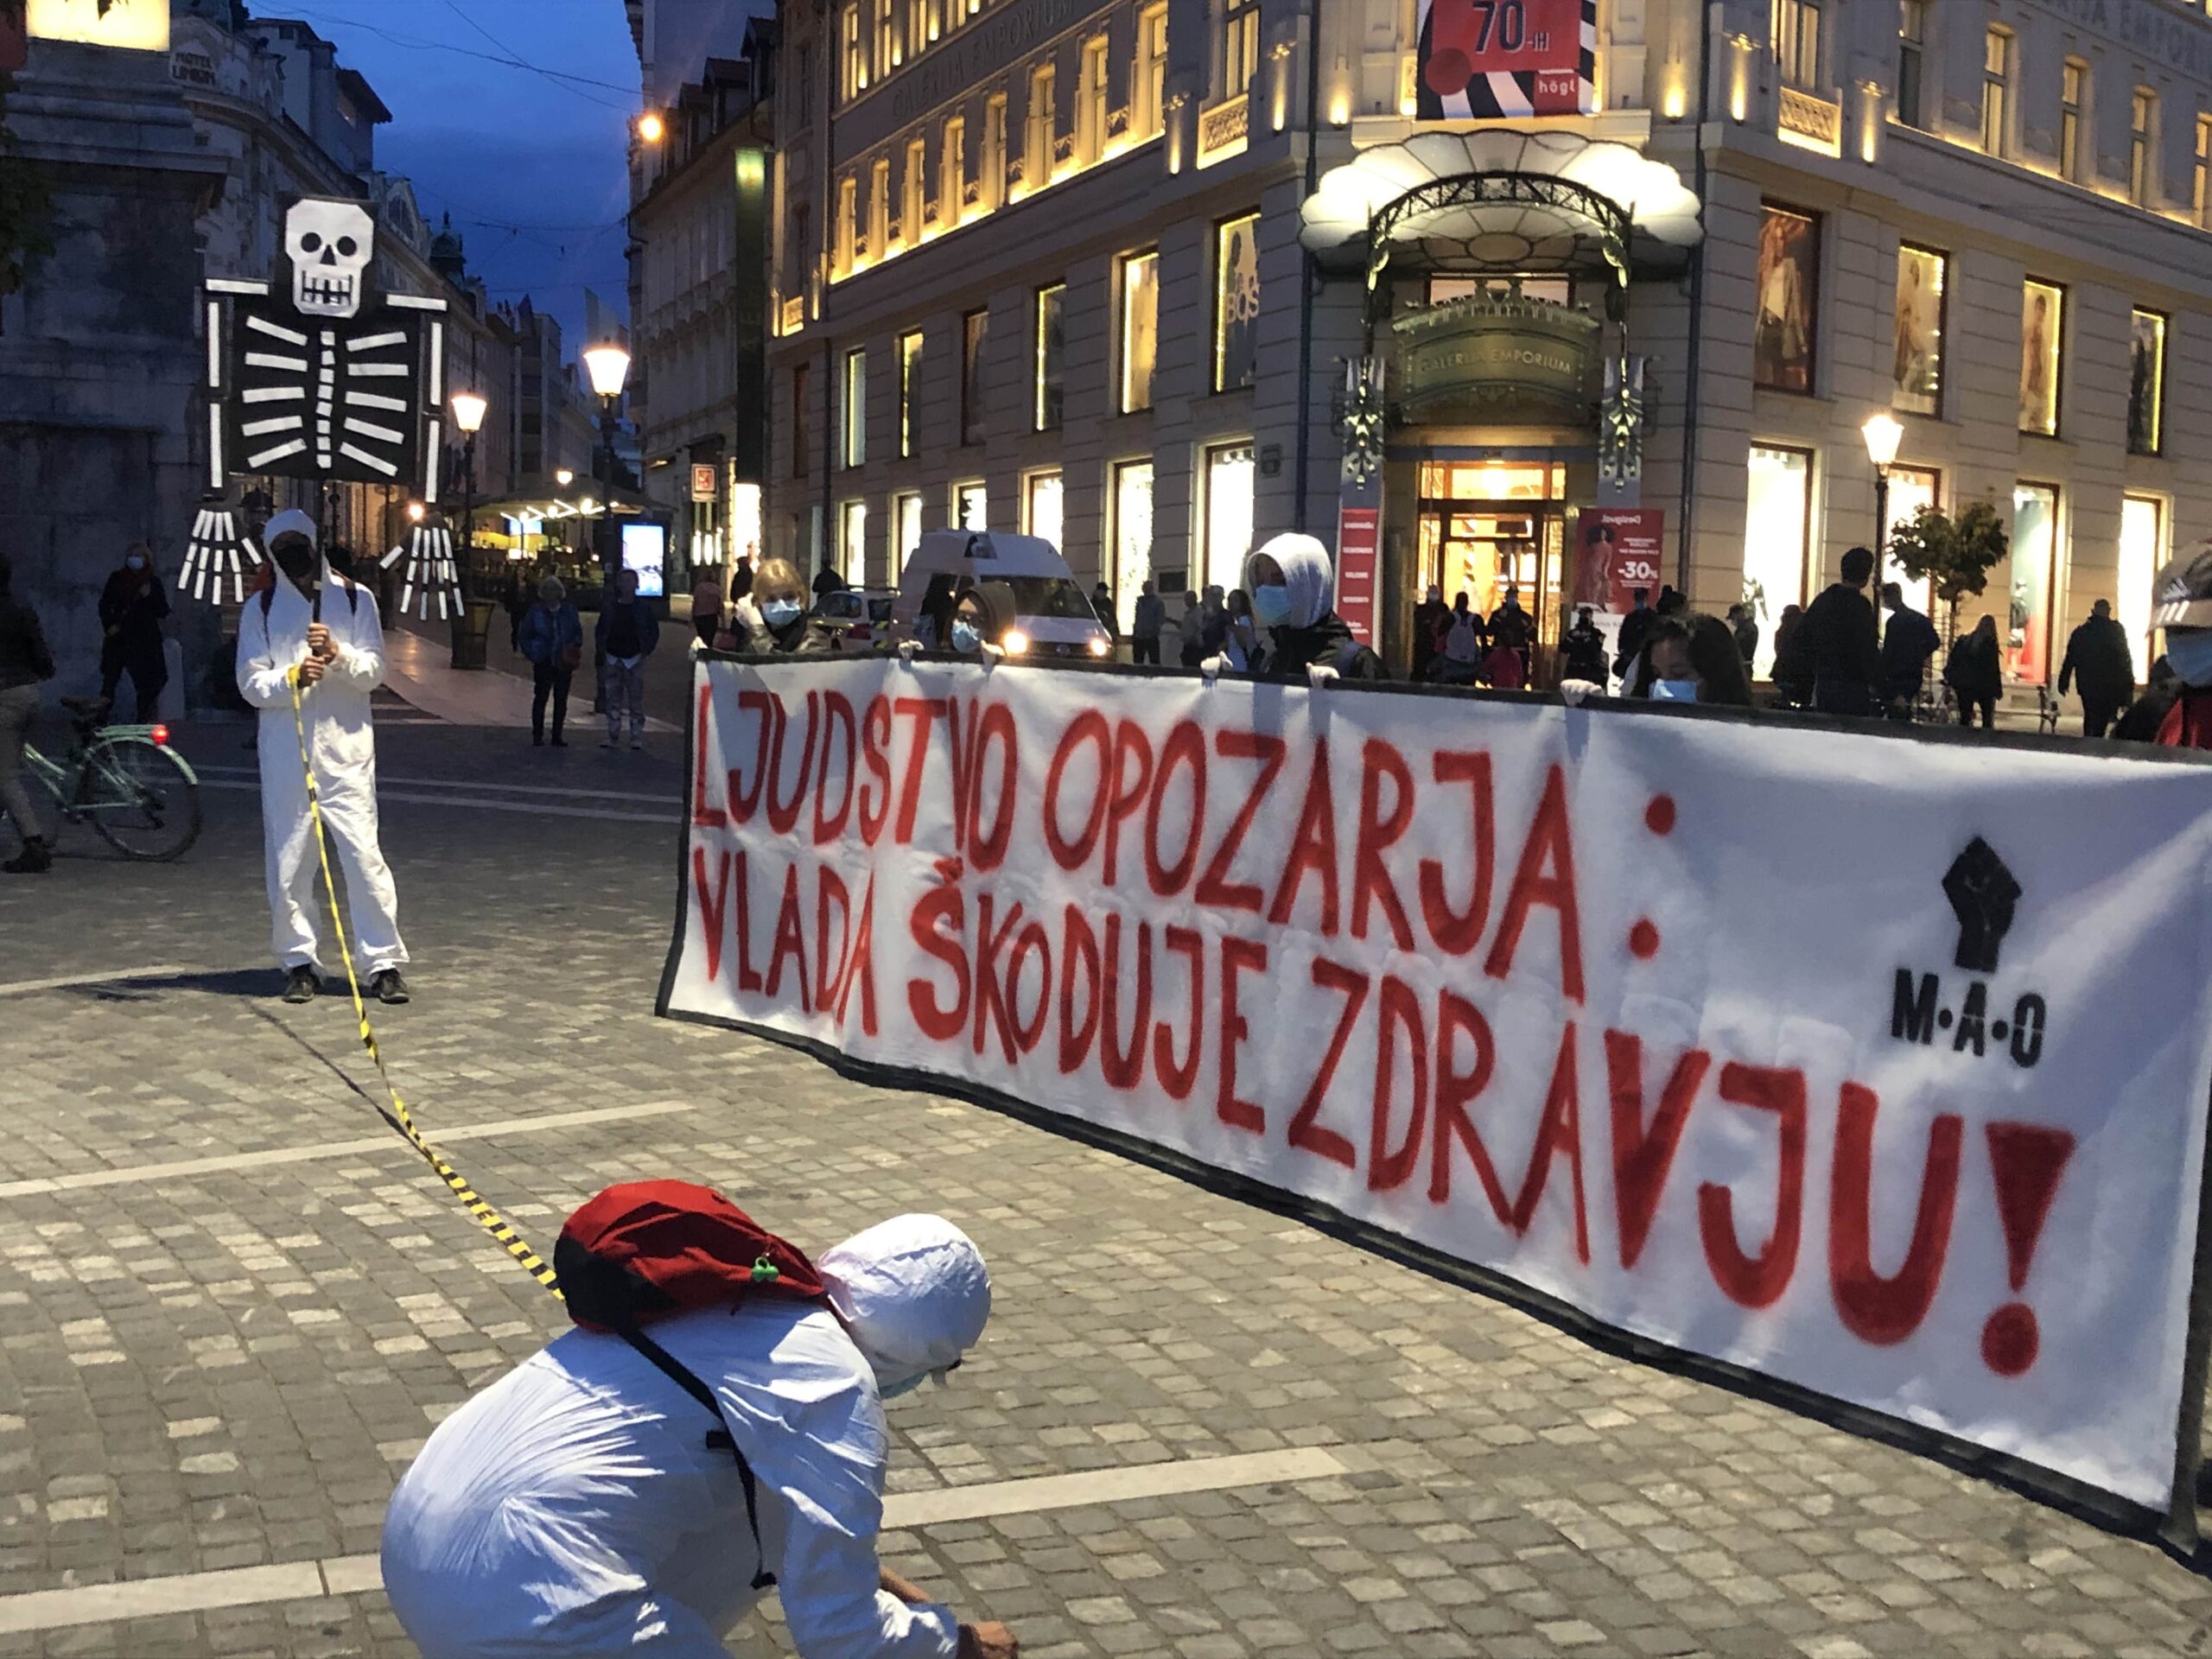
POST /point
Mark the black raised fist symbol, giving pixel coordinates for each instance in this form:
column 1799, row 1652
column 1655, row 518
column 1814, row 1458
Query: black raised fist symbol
column 1982, row 892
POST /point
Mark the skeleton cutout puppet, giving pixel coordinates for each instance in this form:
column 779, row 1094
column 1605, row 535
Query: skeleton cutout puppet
column 326, row 379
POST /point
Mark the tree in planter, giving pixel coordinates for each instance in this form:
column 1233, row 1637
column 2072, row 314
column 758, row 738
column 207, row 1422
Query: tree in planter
column 1954, row 555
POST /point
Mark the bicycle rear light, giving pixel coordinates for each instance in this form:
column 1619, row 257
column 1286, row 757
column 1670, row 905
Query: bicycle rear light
column 160, row 734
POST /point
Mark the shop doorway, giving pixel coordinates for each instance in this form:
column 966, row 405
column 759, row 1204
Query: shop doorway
column 1488, row 525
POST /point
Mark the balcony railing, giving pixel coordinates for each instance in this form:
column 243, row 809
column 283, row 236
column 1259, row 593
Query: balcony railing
column 1224, row 128
column 1814, row 123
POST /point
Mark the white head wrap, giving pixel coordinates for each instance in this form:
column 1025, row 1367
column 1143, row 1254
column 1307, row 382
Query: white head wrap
column 1306, row 572
column 913, row 1292
column 290, row 522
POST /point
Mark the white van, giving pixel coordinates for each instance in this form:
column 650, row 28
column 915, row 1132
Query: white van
column 1040, row 611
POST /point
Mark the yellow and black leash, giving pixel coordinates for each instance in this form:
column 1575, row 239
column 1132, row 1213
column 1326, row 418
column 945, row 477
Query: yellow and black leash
column 400, row 1119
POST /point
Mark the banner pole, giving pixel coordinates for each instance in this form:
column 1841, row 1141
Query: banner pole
column 2180, row 1530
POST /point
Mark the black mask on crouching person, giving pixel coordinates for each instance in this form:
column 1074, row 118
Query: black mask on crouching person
column 295, row 556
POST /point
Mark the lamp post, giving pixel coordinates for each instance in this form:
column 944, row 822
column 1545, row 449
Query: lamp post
column 608, row 365
column 1883, row 434
column 469, row 411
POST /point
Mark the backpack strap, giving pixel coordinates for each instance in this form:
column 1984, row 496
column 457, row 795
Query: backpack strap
column 717, row 1439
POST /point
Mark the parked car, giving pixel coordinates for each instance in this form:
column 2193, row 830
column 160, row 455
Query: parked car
column 861, row 617
column 1042, row 613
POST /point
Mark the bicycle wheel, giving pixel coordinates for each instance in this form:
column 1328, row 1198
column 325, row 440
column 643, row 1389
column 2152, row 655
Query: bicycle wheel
column 141, row 798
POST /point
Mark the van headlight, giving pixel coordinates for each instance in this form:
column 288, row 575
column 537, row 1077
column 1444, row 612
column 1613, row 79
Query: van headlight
column 1098, row 646
column 1014, row 642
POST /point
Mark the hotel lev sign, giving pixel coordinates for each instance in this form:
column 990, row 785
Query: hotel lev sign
column 2172, row 42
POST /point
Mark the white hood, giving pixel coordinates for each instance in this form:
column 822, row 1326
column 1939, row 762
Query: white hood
column 1307, row 572
column 914, row 1294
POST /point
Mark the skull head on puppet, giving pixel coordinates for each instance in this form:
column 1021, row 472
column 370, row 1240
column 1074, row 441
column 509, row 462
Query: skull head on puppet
column 329, row 243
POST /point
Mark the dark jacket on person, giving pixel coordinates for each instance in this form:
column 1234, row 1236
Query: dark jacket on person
column 1973, row 671
column 804, row 635
column 827, row 580
column 1151, row 617
column 1584, row 649
column 1511, row 627
column 2097, row 654
column 24, row 657
column 134, row 605
column 1329, row 642
column 1837, row 639
column 1634, row 626
column 1907, row 643
column 636, row 617
column 547, row 630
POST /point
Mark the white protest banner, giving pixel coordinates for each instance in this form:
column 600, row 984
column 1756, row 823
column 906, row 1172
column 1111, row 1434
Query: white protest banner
column 1875, row 1065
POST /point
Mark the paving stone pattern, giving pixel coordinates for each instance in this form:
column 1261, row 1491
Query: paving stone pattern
column 232, row 1369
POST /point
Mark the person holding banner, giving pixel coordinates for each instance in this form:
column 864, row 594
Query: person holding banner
column 773, row 620
column 1292, row 588
column 2184, row 611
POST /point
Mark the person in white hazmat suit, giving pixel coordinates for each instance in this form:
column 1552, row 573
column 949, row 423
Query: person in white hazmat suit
column 574, row 1510
column 338, row 658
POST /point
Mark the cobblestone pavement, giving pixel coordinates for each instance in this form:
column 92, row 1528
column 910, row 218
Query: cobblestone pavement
column 209, row 1368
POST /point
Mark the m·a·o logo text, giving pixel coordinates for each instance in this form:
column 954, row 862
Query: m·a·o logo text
column 1984, row 894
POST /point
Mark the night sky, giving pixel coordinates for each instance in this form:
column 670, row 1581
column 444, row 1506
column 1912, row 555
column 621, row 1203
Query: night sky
column 531, row 167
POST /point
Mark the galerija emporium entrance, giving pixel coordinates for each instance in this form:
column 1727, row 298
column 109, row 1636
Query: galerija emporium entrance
column 1497, row 395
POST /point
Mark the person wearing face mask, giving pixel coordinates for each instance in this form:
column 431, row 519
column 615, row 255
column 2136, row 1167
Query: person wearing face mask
column 1696, row 659
column 132, row 607
column 971, row 628
column 774, row 619
column 627, row 633
column 552, row 638
column 1293, row 586
column 311, row 626
column 572, row 1508
column 2183, row 609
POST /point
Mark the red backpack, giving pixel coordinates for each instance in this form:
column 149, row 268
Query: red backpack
column 645, row 1251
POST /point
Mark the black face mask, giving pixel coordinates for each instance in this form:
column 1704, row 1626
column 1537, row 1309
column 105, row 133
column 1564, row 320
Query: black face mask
column 295, row 556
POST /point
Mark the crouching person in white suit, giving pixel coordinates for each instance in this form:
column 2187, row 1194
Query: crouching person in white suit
column 574, row 1510
column 338, row 657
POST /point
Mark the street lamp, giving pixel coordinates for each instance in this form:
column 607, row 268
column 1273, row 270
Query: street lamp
column 469, row 411
column 609, row 366
column 1883, row 435
column 650, row 128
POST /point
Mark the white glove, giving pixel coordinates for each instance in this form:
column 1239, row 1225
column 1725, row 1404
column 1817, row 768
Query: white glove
column 907, row 649
column 1215, row 666
column 1320, row 674
column 1573, row 691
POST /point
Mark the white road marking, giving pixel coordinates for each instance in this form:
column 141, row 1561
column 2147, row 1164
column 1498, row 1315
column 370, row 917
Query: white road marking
column 389, row 1141
column 544, row 809
column 662, row 800
column 63, row 981
column 193, row 1592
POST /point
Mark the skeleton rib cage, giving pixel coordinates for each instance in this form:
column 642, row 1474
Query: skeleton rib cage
column 321, row 380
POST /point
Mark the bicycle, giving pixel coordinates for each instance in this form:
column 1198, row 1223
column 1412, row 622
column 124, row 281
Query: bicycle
column 140, row 795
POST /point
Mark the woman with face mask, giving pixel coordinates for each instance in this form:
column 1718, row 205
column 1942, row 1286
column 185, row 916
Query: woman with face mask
column 774, row 618
column 1694, row 659
column 2183, row 609
column 1292, row 584
column 972, row 626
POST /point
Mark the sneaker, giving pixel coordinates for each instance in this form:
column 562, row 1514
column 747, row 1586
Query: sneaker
column 608, row 742
column 637, row 742
column 560, row 742
column 388, row 986
column 536, row 739
column 35, row 859
column 300, row 984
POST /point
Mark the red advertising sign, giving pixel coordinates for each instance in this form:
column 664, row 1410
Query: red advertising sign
column 702, row 481
column 1488, row 58
column 1358, row 530
column 1618, row 550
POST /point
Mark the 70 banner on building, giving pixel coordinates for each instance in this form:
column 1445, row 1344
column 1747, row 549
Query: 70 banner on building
column 1874, row 1066
column 1488, row 58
